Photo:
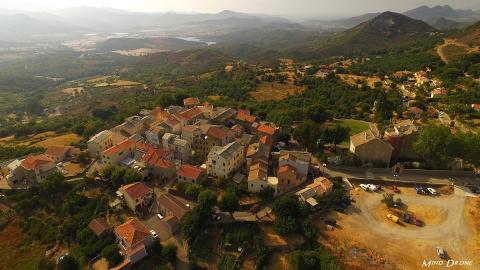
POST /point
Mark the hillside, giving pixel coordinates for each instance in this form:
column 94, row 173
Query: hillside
column 160, row 43
column 470, row 35
column 188, row 62
column 443, row 24
column 386, row 31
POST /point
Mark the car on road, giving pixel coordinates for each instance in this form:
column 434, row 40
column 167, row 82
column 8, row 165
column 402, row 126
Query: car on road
column 160, row 216
column 331, row 222
column 154, row 234
column 432, row 191
column 216, row 217
column 393, row 218
column 441, row 253
column 398, row 204
column 365, row 187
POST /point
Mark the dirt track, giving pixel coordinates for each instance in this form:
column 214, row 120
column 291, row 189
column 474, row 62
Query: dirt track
column 387, row 245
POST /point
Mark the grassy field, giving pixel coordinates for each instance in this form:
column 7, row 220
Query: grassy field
column 355, row 126
column 66, row 139
column 275, row 91
column 15, row 250
column 352, row 79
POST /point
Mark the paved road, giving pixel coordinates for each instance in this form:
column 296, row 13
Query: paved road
column 385, row 174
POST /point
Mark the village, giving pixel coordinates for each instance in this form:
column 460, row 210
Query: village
column 181, row 148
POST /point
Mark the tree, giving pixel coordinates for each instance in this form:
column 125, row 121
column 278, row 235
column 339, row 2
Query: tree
column 169, row 253
column 335, row 134
column 112, row 254
column 228, row 202
column 388, row 200
column 435, row 143
column 285, row 225
column 67, row 262
column 207, row 199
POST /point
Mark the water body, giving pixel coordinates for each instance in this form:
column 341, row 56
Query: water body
column 195, row 39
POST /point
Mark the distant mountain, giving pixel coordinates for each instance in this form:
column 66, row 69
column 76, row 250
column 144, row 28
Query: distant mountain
column 446, row 11
column 441, row 17
column 441, row 23
column 107, row 19
column 22, row 27
column 386, row 31
column 342, row 23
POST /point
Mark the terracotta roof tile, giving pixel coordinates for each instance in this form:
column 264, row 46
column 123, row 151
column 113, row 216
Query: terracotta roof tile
column 133, row 232
column 119, row 147
column 98, row 226
column 136, row 190
column 58, row 150
column 34, row 161
column 190, row 171
column 191, row 101
column 266, row 129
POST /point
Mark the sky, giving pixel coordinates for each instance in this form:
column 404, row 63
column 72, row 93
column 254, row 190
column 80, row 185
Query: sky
column 273, row 7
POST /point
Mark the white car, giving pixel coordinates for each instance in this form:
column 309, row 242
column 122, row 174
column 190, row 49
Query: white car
column 432, row 191
column 364, row 187
column 372, row 187
column 154, row 234
column 160, row 216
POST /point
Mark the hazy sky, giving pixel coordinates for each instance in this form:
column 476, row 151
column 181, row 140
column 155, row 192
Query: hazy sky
column 278, row 7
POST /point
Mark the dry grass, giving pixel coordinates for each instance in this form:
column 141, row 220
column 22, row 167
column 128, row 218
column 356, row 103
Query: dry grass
column 73, row 169
column 275, row 91
column 66, row 139
column 16, row 252
column 73, row 90
column 353, row 79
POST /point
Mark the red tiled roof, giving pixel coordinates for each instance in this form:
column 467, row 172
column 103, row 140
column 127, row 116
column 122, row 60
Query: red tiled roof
column 189, row 171
column 57, row 150
column 171, row 121
column 191, row 101
column 157, row 158
column 191, row 113
column 132, row 231
column 119, row 147
column 266, row 140
column 476, row 107
column 173, row 205
column 244, row 115
column 33, row 162
column 136, row 190
column 286, row 168
column 217, row 133
column 266, row 129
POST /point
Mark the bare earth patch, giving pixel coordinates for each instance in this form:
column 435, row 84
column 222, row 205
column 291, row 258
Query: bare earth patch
column 66, row 139
column 275, row 91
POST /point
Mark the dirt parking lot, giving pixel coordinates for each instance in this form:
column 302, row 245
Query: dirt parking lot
column 365, row 239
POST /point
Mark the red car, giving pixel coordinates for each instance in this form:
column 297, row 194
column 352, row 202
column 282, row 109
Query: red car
column 418, row 222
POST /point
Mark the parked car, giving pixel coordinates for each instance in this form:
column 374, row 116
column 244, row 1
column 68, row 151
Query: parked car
column 398, row 204
column 372, row 187
column 154, row 234
column 160, row 216
column 432, row 191
column 407, row 218
column 418, row 222
column 331, row 222
column 365, row 187
column 421, row 190
column 346, row 201
column 216, row 217
column 393, row 218
column 441, row 253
